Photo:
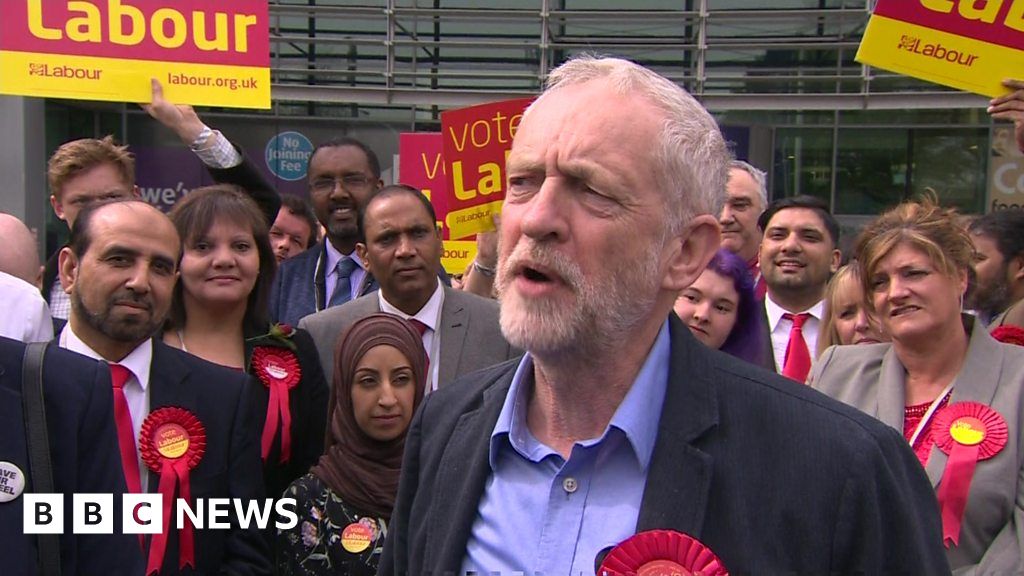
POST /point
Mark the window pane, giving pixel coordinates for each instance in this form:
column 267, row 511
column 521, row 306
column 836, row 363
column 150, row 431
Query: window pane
column 803, row 162
column 871, row 169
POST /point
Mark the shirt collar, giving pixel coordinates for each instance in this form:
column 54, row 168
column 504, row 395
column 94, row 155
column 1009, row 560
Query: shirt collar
column 137, row 361
column 637, row 416
column 429, row 314
column 775, row 312
column 334, row 256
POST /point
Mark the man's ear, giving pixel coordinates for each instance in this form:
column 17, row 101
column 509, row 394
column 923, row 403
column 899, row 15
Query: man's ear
column 837, row 259
column 361, row 252
column 690, row 252
column 135, row 191
column 67, row 268
column 58, row 208
column 1015, row 267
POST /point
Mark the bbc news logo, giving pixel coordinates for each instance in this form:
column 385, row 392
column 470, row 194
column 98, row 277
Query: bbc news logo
column 143, row 513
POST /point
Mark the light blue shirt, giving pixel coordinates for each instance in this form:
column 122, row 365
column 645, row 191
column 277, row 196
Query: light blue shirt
column 541, row 514
column 357, row 278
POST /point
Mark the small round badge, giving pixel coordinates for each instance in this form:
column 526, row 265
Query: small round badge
column 967, row 430
column 171, row 441
column 356, row 537
column 12, row 481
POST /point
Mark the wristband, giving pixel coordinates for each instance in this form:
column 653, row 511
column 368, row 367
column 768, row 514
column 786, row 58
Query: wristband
column 486, row 271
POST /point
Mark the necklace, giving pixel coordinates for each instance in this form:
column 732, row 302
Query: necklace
column 181, row 340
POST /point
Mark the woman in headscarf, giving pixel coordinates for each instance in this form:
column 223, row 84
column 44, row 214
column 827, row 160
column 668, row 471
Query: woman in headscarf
column 344, row 504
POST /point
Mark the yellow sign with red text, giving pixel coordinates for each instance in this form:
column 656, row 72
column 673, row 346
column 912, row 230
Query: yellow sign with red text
column 958, row 43
column 204, row 53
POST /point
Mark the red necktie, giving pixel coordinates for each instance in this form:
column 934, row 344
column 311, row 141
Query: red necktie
column 422, row 329
column 797, row 362
column 119, row 375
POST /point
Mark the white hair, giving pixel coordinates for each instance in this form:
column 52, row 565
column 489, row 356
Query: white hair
column 692, row 156
column 757, row 175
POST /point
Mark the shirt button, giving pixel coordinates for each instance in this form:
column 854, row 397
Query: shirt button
column 569, row 485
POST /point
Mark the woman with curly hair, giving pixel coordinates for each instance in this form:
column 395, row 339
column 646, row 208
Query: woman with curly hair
column 953, row 391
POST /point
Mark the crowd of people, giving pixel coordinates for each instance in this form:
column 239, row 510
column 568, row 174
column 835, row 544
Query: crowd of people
column 645, row 344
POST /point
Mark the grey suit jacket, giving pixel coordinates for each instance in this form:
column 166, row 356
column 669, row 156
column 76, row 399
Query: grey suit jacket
column 871, row 378
column 471, row 337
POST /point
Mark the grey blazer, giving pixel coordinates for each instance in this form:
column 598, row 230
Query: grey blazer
column 471, row 337
column 871, row 378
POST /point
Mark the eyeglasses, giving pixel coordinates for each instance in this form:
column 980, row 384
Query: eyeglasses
column 348, row 182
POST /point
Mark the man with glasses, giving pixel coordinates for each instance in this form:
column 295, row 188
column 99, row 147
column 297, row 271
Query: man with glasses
column 343, row 174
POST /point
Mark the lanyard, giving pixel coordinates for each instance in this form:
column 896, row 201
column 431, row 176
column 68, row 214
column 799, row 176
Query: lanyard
column 928, row 415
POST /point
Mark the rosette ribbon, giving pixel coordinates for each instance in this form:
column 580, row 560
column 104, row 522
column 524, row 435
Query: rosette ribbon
column 661, row 553
column 968, row 432
column 172, row 443
column 279, row 370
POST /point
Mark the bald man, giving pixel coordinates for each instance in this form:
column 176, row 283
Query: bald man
column 20, row 257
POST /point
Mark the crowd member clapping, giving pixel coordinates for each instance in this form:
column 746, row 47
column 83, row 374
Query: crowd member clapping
column 953, row 390
column 345, row 503
column 219, row 314
column 721, row 310
column 848, row 320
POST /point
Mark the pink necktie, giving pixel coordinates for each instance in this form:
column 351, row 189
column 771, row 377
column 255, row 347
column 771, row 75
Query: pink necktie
column 797, row 362
column 422, row 329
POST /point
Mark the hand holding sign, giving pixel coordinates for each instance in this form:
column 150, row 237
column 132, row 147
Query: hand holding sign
column 1011, row 107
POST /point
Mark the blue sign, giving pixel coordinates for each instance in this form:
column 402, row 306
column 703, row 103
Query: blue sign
column 287, row 155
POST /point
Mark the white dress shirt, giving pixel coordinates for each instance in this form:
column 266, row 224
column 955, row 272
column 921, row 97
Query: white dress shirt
column 136, row 389
column 430, row 315
column 780, row 327
column 24, row 314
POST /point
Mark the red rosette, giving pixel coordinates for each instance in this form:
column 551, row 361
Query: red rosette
column 172, row 443
column 968, row 432
column 279, row 370
column 1009, row 334
column 661, row 553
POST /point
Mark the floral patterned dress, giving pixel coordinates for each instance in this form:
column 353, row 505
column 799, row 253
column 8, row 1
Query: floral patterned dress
column 331, row 537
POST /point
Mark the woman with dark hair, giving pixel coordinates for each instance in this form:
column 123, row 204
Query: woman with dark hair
column 219, row 313
column 953, row 391
column 345, row 502
column 721, row 311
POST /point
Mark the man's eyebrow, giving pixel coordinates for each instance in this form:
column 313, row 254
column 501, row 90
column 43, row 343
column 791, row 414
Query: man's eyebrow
column 118, row 250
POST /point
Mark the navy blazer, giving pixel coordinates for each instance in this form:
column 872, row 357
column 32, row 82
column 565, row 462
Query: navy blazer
column 224, row 400
column 84, row 455
column 300, row 286
column 774, row 477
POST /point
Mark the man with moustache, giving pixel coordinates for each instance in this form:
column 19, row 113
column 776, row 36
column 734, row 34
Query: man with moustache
column 798, row 256
column 343, row 172
column 999, row 242
column 119, row 269
column 746, row 195
column 617, row 421
column 402, row 249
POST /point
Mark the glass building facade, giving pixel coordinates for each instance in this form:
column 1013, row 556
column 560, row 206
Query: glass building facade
column 779, row 76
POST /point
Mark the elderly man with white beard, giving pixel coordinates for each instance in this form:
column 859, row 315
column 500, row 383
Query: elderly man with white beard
column 618, row 443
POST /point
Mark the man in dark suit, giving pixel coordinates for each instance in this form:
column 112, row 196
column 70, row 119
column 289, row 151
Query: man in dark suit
column 343, row 173
column 403, row 251
column 80, row 430
column 798, row 255
column 617, row 421
column 120, row 268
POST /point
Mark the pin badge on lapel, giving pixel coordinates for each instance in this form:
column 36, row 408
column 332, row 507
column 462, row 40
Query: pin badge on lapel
column 12, row 482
